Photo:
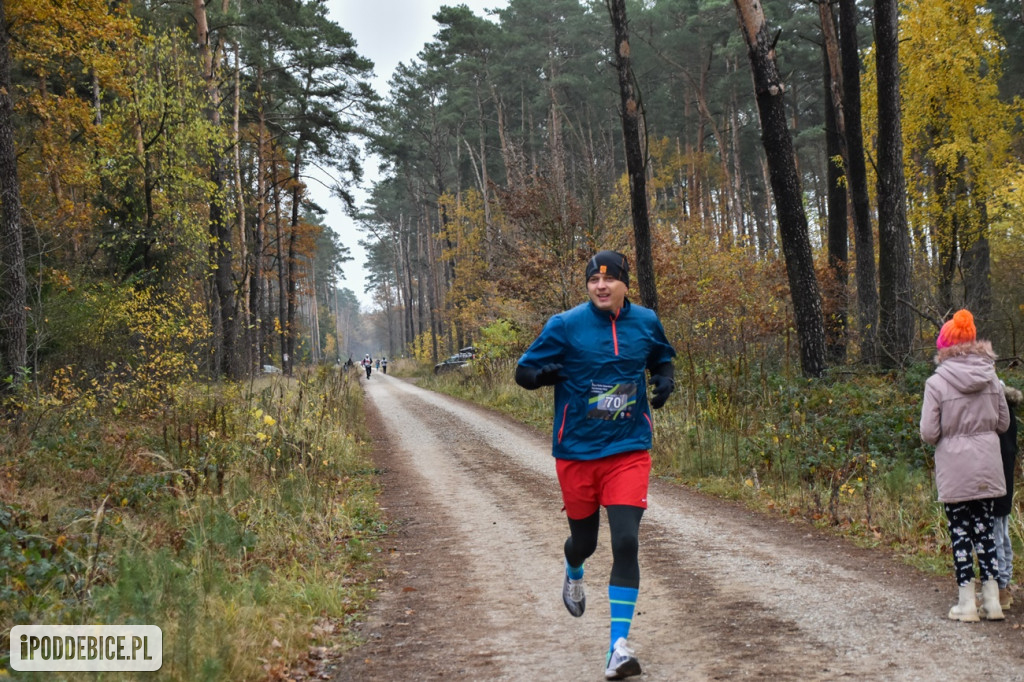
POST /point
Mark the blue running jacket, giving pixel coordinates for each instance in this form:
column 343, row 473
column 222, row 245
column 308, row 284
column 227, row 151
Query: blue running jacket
column 601, row 409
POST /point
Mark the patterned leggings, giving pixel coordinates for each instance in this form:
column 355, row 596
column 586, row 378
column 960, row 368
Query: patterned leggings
column 970, row 529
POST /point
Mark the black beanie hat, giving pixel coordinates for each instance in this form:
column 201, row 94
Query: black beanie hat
column 609, row 262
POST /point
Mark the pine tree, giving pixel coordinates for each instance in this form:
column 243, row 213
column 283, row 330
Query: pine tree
column 778, row 146
column 13, row 321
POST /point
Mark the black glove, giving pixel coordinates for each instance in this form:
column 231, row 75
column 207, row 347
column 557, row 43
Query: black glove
column 662, row 384
column 548, row 375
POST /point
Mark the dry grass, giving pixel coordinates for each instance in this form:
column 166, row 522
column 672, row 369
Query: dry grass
column 843, row 455
column 242, row 522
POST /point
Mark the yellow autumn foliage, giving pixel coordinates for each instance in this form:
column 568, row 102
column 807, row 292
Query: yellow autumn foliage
column 957, row 133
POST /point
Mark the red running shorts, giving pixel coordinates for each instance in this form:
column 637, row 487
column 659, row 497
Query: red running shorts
column 590, row 484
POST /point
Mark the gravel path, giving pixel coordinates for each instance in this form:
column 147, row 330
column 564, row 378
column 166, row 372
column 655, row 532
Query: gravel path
column 474, row 577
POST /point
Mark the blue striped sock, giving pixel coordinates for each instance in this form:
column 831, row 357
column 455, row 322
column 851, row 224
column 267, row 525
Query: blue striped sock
column 574, row 573
column 623, row 602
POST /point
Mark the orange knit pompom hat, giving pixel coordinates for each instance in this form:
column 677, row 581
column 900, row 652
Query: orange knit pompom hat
column 958, row 330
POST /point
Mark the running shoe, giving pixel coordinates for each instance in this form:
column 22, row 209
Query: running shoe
column 621, row 662
column 573, row 596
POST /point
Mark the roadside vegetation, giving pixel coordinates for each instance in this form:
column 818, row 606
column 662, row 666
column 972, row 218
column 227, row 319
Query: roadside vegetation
column 240, row 518
column 161, row 251
column 842, row 453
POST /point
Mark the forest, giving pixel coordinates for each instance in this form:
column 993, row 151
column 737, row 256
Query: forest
column 807, row 190
column 160, row 156
column 507, row 156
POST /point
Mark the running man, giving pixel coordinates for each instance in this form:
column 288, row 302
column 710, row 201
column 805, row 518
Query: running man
column 597, row 355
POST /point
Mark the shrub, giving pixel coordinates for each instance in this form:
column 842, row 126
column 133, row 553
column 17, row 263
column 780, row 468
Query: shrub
column 240, row 521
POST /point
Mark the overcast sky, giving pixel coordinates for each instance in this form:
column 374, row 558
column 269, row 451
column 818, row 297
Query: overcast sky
column 387, row 32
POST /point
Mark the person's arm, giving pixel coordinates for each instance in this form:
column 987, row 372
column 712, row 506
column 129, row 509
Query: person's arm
column 542, row 363
column 663, row 382
column 659, row 364
column 548, row 375
column 931, row 424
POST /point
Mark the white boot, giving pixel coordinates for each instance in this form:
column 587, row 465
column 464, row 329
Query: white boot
column 990, row 607
column 966, row 611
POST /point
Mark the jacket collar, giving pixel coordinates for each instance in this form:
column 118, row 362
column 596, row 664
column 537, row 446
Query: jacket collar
column 624, row 310
column 978, row 347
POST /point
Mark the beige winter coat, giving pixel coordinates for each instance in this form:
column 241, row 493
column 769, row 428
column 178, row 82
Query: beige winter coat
column 962, row 415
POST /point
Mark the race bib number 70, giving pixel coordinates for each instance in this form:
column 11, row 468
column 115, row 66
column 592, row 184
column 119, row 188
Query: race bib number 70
column 611, row 401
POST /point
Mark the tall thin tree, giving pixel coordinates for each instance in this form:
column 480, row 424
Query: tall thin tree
column 838, row 240
column 636, row 165
column 211, row 52
column 896, row 321
column 857, row 180
column 769, row 91
column 13, row 320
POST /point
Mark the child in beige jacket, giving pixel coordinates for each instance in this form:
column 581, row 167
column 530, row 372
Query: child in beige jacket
column 962, row 415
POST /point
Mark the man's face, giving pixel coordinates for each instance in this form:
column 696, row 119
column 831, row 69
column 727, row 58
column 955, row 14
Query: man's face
column 606, row 292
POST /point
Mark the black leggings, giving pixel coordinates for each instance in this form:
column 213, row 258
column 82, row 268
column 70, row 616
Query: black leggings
column 624, row 524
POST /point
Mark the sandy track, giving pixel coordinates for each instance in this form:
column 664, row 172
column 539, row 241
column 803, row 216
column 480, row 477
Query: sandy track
column 474, row 577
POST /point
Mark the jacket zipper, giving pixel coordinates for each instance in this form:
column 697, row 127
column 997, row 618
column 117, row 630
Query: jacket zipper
column 615, row 343
column 561, row 429
column 615, row 333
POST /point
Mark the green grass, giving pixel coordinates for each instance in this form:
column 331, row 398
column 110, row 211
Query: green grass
column 243, row 522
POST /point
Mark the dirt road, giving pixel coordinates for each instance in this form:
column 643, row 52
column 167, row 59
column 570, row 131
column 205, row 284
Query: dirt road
column 475, row 573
